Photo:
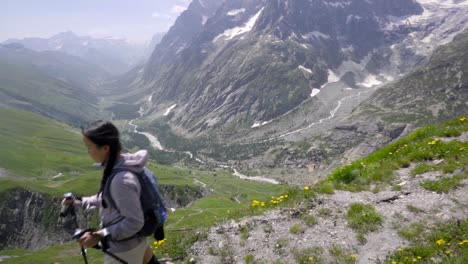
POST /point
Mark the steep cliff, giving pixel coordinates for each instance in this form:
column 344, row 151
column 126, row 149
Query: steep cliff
column 30, row 220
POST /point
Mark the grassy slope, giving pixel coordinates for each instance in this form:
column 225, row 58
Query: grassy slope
column 34, row 149
column 221, row 204
column 421, row 146
column 29, row 88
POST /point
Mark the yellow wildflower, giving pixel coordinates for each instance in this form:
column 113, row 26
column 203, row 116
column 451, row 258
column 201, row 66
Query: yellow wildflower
column 390, row 153
column 285, row 196
column 353, row 256
column 159, row 243
column 311, row 258
column 306, row 188
column 440, row 242
column 262, row 204
column 462, row 119
column 418, row 257
column 448, row 252
column 394, row 262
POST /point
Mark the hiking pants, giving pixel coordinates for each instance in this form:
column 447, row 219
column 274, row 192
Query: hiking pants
column 133, row 256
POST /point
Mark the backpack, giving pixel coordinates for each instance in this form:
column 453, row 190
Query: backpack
column 151, row 200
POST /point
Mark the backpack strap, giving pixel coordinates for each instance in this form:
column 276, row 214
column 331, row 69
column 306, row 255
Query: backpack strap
column 108, row 185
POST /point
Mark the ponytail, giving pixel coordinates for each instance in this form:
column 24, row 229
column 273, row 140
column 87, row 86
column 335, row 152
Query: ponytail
column 104, row 133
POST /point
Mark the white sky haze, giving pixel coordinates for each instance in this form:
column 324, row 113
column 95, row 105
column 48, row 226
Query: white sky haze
column 135, row 20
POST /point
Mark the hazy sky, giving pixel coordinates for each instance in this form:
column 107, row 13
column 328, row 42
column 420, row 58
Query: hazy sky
column 136, row 20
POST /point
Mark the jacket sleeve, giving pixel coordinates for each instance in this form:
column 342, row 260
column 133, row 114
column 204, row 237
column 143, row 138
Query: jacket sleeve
column 91, row 202
column 125, row 190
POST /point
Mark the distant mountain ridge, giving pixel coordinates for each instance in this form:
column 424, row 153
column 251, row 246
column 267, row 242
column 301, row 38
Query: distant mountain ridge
column 57, row 64
column 116, row 56
column 51, row 83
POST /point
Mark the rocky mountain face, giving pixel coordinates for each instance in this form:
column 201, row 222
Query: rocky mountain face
column 433, row 93
column 31, row 220
column 138, row 83
column 293, row 71
column 114, row 55
column 438, row 91
column 254, row 61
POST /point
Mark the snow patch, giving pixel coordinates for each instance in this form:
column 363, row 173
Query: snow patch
column 233, row 32
column 213, row 121
column 352, row 17
column 202, row 3
column 168, row 111
column 235, row 12
column 200, row 161
column 332, row 77
column 316, row 34
column 141, row 111
column 338, row 4
column 370, row 81
column 259, row 124
column 315, row 91
column 304, row 69
column 204, row 19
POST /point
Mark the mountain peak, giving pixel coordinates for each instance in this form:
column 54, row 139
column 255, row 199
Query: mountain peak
column 65, row 35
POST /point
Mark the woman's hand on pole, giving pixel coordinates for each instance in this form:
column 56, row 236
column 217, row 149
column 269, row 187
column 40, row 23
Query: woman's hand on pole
column 89, row 240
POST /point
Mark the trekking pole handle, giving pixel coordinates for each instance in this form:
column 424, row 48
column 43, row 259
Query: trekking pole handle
column 68, row 206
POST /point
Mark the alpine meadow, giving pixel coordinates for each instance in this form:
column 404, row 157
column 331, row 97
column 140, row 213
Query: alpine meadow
column 278, row 131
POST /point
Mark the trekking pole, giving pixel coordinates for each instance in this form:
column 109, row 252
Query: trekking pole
column 83, row 250
column 70, row 209
column 66, row 210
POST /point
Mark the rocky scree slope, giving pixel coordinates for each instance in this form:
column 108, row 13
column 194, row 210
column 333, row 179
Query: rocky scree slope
column 317, row 229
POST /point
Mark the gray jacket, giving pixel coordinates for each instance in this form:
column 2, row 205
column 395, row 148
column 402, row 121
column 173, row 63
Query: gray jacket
column 127, row 220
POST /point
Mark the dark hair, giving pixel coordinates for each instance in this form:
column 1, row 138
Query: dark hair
column 104, row 133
